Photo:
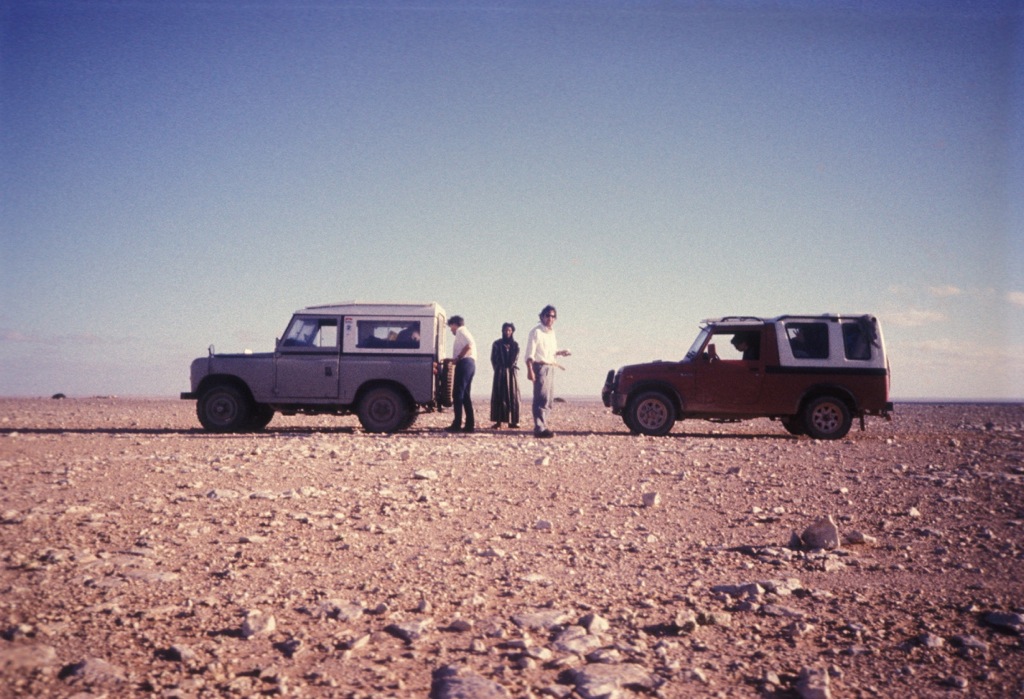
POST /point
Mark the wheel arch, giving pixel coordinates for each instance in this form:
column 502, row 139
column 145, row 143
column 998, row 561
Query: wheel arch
column 660, row 387
column 384, row 383
column 831, row 390
column 215, row 380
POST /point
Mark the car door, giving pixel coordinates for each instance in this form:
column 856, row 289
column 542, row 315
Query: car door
column 730, row 372
column 306, row 362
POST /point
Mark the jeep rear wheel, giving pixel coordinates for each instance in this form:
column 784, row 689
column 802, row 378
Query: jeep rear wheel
column 827, row 418
column 651, row 413
column 383, row 410
column 794, row 425
column 224, row 409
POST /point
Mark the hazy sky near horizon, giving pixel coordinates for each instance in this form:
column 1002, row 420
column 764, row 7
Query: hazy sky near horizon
column 175, row 175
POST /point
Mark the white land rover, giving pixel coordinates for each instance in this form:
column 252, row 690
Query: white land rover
column 382, row 362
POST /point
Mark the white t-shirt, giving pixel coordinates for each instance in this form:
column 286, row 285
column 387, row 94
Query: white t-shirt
column 541, row 345
column 463, row 338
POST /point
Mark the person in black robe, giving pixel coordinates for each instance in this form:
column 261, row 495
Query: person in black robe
column 505, row 390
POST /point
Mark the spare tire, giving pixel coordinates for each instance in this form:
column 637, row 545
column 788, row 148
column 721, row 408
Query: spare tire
column 446, row 383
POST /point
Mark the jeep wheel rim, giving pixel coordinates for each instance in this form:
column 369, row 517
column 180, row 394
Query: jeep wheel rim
column 827, row 418
column 651, row 414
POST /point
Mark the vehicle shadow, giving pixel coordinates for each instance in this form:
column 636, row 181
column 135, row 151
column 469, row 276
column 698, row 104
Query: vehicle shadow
column 168, row 431
column 349, row 430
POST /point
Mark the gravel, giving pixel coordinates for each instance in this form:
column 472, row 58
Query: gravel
column 143, row 556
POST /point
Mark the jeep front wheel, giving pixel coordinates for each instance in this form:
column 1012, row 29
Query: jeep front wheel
column 224, row 409
column 651, row 413
column 827, row 418
column 383, row 410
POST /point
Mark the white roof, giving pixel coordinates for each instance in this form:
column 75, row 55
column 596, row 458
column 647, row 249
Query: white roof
column 370, row 308
column 756, row 320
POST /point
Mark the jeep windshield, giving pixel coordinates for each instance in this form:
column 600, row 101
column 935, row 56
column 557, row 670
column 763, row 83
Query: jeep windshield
column 697, row 344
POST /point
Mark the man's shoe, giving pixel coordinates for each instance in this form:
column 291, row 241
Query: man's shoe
column 453, row 428
column 469, row 429
column 546, row 434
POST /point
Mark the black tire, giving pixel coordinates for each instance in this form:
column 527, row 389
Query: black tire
column 224, row 409
column 410, row 419
column 794, row 425
column 827, row 417
column 651, row 413
column 261, row 416
column 446, row 384
column 383, row 410
column 631, row 426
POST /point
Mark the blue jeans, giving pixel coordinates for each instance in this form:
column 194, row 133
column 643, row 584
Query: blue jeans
column 464, row 371
column 543, row 396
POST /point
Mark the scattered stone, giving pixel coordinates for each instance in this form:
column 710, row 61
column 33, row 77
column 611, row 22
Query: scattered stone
column 541, row 621
column 595, row 624
column 823, row 534
column 1006, row 621
column 576, row 639
column 26, row 658
column 857, row 537
column 652, row 499
column 258, row 624
column 180, row 653
column 410, row 631
column 602, row 681
column 93, row 671
column 454, row 682
column 813, row 683
column 427, row 474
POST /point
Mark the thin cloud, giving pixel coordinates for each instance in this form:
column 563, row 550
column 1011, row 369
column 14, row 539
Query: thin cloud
column 945, row 292
column 1015, row 297
column 913, row 318
column 971, row 351
column 17, row 337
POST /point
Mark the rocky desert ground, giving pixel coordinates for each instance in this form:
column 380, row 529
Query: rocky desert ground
column 142, row 556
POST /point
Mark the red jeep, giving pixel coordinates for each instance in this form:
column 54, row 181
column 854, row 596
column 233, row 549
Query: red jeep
column 812, row 373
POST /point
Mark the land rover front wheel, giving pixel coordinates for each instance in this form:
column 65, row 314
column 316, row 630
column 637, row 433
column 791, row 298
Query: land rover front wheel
column 261, row 416
column 383, row 410
column 651, row 413
column 827, row 418
column 224, row 409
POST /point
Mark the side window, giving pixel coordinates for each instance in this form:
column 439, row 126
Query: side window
column 317, row 333
column 388, row 334
column 808, row 340
column 857, row 339
column 737, row 345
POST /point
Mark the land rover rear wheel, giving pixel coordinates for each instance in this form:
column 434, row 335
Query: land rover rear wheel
column 224, row 409
column 827, row 418
column 651, row 413
column 383, row 410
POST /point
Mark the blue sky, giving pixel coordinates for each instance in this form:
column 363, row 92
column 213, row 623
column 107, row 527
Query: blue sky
column 179, row 174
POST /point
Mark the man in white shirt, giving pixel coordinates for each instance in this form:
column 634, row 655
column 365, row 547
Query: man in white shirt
column 464, row 354
column 541, row 359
